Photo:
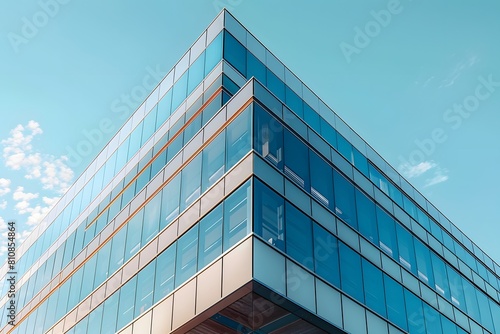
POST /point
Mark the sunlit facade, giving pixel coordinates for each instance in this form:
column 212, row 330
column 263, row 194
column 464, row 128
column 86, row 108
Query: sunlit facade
column 235, row 201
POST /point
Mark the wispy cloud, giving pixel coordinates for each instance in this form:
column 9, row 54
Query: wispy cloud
column 457, row 71
column 440, row 175
column 425, row 168
column 4, row 186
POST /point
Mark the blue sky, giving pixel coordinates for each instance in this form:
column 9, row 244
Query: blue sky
column 419, row 80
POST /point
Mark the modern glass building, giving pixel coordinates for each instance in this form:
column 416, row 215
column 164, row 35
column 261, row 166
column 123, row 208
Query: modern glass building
column 235, row 201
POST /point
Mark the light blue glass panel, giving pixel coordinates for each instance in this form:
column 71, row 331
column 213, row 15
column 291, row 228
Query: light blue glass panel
column 191, row 182
column 321, row 180
column 299, row 243
column 210, row 245
column 149, row 125
column 134, row 231
column 187, row 256
column 344, row 199
column 164, row 109
column 179, row 92
column 152, row 212
column 432, row 320
column 213, row 54
column 326, row 255
column 268, row 136
column 269, row 267
column 88, row 277
column 367, row 220
column 395, row 302
column 350, row 272
column 213, row 165
column 117, row 255
column 374, row 288
column 237, row 216
column 76, row 283
column 95, row 320
column 406, row 249
column 81, row 327
column 378, row 179
column 328, row 132
column 344, row 148
column 171, row 201
column 146, row 284
column 424, row 266
column 297, row 160
column 238, row 138
column 448, row 326
column 268, row 216
column 456, row 288
column 165, row 270
column 126, row 303
column 441, row 283
column 109, row 315
column 484, row 310
column 135, row 141
column 387, row 233
column 196, row 73
column 101, row 272
column 414, row 313
column 300, row 286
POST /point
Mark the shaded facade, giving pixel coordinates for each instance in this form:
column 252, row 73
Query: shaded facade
column 235, row 201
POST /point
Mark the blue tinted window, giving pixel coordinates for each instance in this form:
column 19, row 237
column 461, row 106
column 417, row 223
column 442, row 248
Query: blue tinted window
column 440, row 278
column 109, row 314
column 424, row 266
column 191, row 182
column 165, row 270
column 235, row 53
column 344, row 147
column 387, row 233
column 432, row 320
column 236, row 216
column 374, row 288
column 88, row 277
column 360, row 161
column 312, row 118
column 151, row 223
column 423, row 219
column 144, row 295
column 395, row 302
column 321, row 180
column 406, row 250
column 410, row 207
column 344, row 199
column 296, row 160
column 238, row 138
column 328, row 132
column 135, row 141
column 213, row 54
column 213, row 161
column 298, row 236
column 255, row 68
column 95, row 320
column 164, row 109
column 294, row 102
column 268, row 217
column 210, row 237
column 350, row 272
column 196, row 73
column 134, row 230
column 378, row 179
column 456, row 288
column 102, row 265
column 117, row 257
column 187, row 256
column 179, row 91
column 395, row 194
column 127, row 302
column 448, row 326
column 367, row 221
column 415, row 313
column 268, row 138
column 170, row 198
column 149, row 125
column 326, row 255
column 484, row 309
column 275, row 85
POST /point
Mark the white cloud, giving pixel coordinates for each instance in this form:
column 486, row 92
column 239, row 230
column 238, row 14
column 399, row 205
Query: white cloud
column 458, row 70
column 19, row 154
column 3, row 233
column 440, row 175
column 4, row 186
column 20, row 195
column 3, row 204
column 412, row 171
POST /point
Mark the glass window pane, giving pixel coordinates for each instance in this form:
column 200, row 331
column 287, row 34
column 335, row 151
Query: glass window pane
column 395, row 302
column 321, row 180
column 328, row 132
column 235, row 53
column 311, row 117
column 378, row 179
column 344, row 148
column 296, row 160
column 196, row 73
column 294, row 102
column 109, row 314
column 151, row 223
column 414, row 313
column 134, row 230
column 440, row 278
column 448, row 326
column 149, row 125
column 484, row 310
column 165, row 270
column 360, row 161
column 350, row 272
column 213, row 162
column 164, row 109
column 424, row 266
column 191, row 182
column 432, row 320
column 236, row 216
column 326, row 255
column 298, row 236
column 171, row 199
column 179, row 92
column 456, row 288
column 187, row 256
column 406, row 250
column 102, row 266
column 344, row 199
column 117, row 257
column 367, row 221
column 213, row 54
column 374, row 288
column 144, row 295
column 255, row 68
column 127, row 301
column 268, row 217
column 275, row 85
column 268, row 138
column 88, row 277
column 238, row 137
column 387, row 233
column 210, row 237
column 95, row 320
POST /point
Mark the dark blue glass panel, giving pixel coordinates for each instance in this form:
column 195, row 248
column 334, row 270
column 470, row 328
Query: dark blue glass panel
column 360, row 161
column 255, row 68
column 374, row 288
column 213, row 54
column 395, row 302
column 321, row 180
column 296, row 160
column 268, row 137
column 406, row 249
column 328, row 132
column 268, row 217
column 345, row 148
column 326, row 255
column 448, row 326
column 424, row 266
column 350, row 272
column 367, row 220
column 311, row 117
column 456, row 288
column 298, row 236
column 387, row 233
column 235, row 53
column 344, row 199
column 229, row 85
column 275, row 85
column 294, row 102
column 441, row 283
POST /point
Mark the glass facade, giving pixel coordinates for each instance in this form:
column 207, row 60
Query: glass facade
column 232, row 157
